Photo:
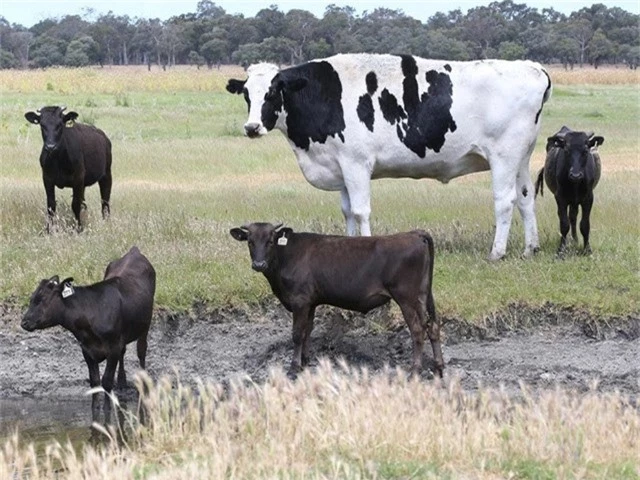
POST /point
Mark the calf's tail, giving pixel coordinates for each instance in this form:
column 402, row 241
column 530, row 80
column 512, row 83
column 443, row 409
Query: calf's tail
column 540, row 183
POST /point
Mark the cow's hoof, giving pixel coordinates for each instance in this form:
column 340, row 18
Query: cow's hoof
column 495, row 257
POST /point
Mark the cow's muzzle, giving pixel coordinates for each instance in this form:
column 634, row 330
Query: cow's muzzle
column 253, row 130
column 575, row 177
column 50, row 147
column 259, row 266
column 27, row 325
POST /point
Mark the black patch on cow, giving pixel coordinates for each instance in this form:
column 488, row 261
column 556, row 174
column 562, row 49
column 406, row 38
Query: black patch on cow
column 525, row 192
column 447, row 67
column 315, row 111
column 372, row 83
column 365, row 110
column 425, row 119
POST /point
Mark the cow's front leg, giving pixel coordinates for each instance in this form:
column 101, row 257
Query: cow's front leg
column 50, row 190
column 110, row 372
column 585, row 225
column 564, row 224
column 504, row 198
column 526, row 207
column 573, row 218
column 358, row 185
column 306, row 342
column 94, row 369
column 300, row 321
column 79, row 207
column 345, row 204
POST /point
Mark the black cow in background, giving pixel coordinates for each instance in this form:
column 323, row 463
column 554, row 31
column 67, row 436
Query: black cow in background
column 104, row 317
column 571, row 171
column 75, row 156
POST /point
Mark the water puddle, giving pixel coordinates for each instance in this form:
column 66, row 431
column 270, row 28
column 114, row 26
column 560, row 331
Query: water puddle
column 42, row 421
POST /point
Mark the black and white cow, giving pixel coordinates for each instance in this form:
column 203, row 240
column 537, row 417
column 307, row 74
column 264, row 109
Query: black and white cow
column 356, row 117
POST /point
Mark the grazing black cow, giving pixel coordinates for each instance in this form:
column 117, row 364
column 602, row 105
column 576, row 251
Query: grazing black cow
column 74, row 156
column 572, row 170
column 104, row 317
column 356, row 273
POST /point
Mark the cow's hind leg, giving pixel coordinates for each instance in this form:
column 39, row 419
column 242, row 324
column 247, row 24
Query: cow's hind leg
column 306, row 342
column 414, row 318
column 105, row 193
column 122, row 376
column 433, row 331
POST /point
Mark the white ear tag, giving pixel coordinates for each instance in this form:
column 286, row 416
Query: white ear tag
column 67, row 291
column 282, row 240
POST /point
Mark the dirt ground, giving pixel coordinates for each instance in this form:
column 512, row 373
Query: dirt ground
column 543, row 347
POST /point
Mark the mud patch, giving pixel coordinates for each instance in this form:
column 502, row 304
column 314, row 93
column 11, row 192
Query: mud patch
column 542, row 347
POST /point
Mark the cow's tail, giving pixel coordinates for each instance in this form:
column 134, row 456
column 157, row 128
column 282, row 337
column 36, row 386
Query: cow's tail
column 540, row 183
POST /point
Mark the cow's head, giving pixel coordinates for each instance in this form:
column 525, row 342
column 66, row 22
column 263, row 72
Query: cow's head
column 263, row 239
column 47, row 304
column 577, row 150
column 263, row 91
column 52, row 121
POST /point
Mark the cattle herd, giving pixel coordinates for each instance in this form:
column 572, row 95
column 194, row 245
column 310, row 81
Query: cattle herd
column 348, row 119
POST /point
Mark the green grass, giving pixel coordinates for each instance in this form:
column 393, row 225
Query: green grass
column 184, row 175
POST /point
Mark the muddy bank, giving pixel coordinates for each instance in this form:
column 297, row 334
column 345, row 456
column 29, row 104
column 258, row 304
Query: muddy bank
column 542, row 347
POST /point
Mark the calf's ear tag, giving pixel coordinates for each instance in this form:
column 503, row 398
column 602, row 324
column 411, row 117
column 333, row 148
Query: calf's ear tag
column 67, row 291
column 282, row 240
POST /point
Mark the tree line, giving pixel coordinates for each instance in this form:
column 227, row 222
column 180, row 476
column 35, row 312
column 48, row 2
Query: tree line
column 210, row 36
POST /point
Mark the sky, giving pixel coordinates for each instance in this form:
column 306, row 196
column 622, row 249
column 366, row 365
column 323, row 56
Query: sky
column 30, row 12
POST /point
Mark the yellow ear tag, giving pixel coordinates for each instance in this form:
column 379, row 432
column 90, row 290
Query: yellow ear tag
column 282, row 241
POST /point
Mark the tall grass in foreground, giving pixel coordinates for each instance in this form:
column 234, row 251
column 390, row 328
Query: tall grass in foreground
column 342, row 423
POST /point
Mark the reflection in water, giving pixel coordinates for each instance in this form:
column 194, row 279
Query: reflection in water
column 78, row 420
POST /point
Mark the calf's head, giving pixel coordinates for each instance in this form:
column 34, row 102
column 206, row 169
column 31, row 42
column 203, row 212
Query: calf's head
column 52, row 121
column 47, row 304
column 577, row 151
column 262, row 239
column 263, row 91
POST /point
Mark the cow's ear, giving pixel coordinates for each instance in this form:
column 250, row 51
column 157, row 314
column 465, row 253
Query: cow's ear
column 32, row 117
column 70, row 117
column 284, row 232
column 595, row 141
column 295, row 84
column 239, row 234
column 556, row 141
column 67, row 280
column 55, row 280
column 235, row 86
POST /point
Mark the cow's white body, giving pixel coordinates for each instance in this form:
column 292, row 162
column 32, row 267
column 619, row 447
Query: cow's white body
column 495, row 105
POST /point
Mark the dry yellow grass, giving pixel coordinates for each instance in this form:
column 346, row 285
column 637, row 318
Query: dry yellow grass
column 350, row 424
column 587, row 75
column 121, row 79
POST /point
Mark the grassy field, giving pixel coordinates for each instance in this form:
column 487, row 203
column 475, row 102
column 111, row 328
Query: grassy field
column 184, row 175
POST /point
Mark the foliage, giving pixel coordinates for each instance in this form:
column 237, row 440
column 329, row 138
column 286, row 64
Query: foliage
column 341, row 422
column 596, row 35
